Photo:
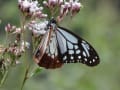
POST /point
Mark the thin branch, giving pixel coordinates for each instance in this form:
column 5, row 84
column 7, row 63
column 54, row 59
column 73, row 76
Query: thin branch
column 25, row 78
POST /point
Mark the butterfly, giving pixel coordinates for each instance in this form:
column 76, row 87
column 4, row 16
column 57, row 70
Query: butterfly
column 59, row 46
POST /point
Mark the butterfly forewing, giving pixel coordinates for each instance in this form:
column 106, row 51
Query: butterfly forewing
column 74, row 49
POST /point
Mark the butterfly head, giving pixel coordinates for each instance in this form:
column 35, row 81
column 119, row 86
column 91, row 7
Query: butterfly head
column 52, row 23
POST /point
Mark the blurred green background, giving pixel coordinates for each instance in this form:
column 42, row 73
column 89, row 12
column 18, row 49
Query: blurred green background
column 99, row 23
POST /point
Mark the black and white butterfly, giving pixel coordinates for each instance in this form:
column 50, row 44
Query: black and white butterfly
column 59, row 46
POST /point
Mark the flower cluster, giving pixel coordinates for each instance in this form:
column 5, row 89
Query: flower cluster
column 31, row 8
column 12, row 29
column 16, row 31
column 12, row 52
column 16, row 49
column 38, row 28
column 65, row 7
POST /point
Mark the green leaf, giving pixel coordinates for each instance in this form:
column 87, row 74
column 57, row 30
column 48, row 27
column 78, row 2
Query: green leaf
column 35, row 72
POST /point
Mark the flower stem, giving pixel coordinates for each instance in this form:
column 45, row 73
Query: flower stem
column 25, row 78
column 23, row 22
column 4, row 78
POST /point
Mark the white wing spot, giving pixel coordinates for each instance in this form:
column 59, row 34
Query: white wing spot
column 90, row 61
column 71, row 52
column 65, row 57
column 86, row 48
column 70, row 46
column 96, row 57
column 71, row 57
column 85, row 59
column 83, row 41
column 79, row 57
column 84, row 54
column 93, row 60
column 76, row 47
column 86, row 44
column 77, row 51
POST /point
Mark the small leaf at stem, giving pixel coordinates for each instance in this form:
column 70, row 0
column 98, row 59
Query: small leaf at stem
column 35, row 72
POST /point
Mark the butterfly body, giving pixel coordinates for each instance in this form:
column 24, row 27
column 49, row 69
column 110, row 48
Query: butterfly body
column 59, row 46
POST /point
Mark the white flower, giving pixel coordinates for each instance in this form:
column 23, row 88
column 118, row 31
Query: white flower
column 17, row 31
column 38, row 28
column 31, row 8
column 76, row 6
column 73, row 6
column 34, row 7
column 10, row 28
column 25, row 44
column 26, row 4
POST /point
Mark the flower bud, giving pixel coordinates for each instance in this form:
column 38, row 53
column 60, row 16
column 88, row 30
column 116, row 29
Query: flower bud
column 52, row 3
column 75, row 7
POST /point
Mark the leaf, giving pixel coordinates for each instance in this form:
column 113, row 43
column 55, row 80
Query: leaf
column 35, row 72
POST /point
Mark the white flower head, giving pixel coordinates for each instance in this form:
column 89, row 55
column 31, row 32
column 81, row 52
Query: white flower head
column 31, row 8
column 25, row 44
column 38, row 28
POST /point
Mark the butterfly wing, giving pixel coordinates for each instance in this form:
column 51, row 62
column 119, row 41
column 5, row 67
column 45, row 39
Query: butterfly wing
column 61, row 46
column 47, row 54
column 73, row 48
